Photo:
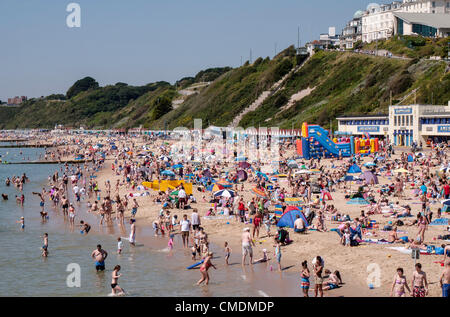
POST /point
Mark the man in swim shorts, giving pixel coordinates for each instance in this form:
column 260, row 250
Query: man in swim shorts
column 419, row 282
column 99, row 255
column 444, row 281
column 247, row 246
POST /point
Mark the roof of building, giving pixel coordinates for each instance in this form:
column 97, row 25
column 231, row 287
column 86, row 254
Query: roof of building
column 431, row 19
column 363, row 116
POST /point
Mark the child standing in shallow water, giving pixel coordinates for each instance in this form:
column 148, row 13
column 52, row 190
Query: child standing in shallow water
column 227, row 253
column 278, row 253
column 119, row 245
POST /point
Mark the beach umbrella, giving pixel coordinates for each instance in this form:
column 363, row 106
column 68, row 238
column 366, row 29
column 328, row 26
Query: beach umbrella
column 207, row 173
column 302, row 172
column 259, row 174
column 225, row 193
column 401, row 170
column 292, row 164
column 168, row 173
column 224, row 183
column 349, row 178
column 177, row 166
column 446, row 202
column 241, row 159
column 244, row 165
column 242, row 175
column 370, row 164
column 315, row 171
column 259, row 192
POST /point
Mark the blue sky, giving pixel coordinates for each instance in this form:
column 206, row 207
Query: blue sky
column 142, row 41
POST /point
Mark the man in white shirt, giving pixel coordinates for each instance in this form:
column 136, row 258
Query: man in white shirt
column 195, row 219
column 185, row 225
column 182, row 198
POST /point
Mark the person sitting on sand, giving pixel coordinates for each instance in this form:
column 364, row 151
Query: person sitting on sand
column 393, row 237
column 333, row 282
column 299, row 225
column 264, row 259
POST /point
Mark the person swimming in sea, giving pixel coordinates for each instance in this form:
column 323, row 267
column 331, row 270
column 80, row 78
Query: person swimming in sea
column 85, row 227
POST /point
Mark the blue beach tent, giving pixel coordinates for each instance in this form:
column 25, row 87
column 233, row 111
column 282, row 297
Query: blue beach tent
column 289, row 217
column 354, row 169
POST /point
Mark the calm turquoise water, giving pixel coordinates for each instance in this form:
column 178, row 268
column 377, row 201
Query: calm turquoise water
column 146, row 269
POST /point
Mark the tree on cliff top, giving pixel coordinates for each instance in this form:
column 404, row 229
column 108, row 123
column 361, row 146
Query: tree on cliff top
column 82, row 85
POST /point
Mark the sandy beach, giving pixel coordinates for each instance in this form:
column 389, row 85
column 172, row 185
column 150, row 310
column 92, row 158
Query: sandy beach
column 356, row 264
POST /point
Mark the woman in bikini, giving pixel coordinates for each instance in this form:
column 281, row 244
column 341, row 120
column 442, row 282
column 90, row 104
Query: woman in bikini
column 204, row 269
column 399, row 284
column 305, row 274
column 422, row 224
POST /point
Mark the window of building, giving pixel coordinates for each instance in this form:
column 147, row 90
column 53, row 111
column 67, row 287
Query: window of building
column 395, row 121
column 433, row 4
column 411, row 120
column 407, row 121
column 403, row 120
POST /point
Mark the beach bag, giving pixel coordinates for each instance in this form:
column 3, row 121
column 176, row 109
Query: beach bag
column 404, row 239
column 439, row 250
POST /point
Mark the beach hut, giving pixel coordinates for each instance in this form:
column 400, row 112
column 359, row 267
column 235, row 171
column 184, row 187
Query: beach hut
column 289, row 217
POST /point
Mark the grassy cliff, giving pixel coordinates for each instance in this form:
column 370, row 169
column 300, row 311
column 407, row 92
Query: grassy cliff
column 328, row 85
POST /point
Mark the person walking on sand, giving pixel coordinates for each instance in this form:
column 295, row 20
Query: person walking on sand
column 205, row 267
column 444, row 281
column 116, row 289
column 399, row 284
column 247, row 243
column 419, row 282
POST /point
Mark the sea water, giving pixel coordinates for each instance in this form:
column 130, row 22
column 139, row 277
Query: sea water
column 147, row 270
